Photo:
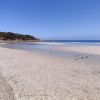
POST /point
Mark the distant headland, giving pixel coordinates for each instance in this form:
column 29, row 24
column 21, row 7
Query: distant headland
column 16, row 37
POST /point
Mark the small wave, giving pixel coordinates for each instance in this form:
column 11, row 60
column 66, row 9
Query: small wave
column 50, row 43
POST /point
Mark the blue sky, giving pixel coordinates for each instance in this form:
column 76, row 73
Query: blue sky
column 52, row 19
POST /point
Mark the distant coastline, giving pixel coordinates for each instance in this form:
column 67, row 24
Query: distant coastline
column 16, row 37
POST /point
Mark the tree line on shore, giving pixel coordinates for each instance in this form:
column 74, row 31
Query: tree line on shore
column 15, row 36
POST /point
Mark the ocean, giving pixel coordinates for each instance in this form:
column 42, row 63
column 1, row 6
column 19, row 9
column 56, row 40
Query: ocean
column 48, row 44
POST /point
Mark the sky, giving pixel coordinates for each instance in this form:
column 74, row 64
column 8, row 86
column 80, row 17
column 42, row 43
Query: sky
column 52, row 19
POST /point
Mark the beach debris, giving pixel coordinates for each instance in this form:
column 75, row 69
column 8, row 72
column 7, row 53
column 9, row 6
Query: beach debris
column 75, row 59
column 86, row 57
column 80, row 57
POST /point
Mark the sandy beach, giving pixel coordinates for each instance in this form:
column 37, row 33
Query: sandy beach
column 35, row 76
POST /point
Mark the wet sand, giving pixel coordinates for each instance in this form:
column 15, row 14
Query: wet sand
column 34, row 76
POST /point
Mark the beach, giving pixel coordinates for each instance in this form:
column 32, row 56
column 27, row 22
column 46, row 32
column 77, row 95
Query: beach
column 36, row 75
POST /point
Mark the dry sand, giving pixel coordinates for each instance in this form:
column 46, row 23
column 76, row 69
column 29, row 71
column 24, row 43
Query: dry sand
column 34, row 76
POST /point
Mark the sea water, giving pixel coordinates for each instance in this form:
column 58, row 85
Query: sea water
column 50, row 47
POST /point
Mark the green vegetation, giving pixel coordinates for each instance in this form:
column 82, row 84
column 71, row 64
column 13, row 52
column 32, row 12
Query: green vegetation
column 15, row 36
